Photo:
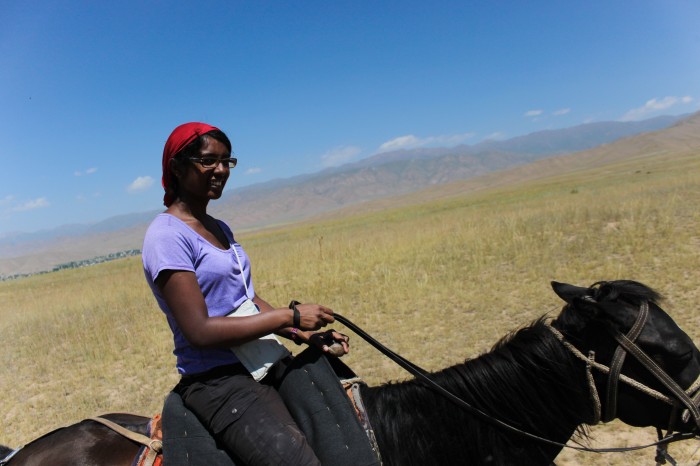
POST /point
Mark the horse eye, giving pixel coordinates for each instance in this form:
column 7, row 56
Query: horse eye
column 672, row 362
column 686, row 357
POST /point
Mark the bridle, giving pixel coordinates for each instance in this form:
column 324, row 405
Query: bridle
column 690, row 398
column 624, row 342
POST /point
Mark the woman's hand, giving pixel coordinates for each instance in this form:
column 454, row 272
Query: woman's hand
column 331, row 342
column 314, row 316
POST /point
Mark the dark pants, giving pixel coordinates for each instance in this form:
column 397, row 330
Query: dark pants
column 248, row 418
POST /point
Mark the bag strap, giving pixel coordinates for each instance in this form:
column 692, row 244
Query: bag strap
column 240, row 266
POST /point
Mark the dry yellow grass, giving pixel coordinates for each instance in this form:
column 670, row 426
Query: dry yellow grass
column 438, row 282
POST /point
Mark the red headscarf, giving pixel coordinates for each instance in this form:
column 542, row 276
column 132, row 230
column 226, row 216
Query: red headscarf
column 179, row 138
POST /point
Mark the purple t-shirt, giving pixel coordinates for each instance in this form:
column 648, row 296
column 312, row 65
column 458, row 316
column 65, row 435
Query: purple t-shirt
column 170, row 244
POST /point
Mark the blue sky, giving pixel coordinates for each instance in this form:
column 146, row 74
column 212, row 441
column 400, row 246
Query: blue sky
column 90, row 90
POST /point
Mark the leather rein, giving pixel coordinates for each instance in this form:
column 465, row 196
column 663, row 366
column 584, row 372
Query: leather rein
column 625, row 341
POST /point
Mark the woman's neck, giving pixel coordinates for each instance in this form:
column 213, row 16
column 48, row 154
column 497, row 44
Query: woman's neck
column 188, row 211
column 200, row 221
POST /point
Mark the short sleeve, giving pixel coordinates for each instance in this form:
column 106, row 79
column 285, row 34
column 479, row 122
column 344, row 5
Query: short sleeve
column 166, row 247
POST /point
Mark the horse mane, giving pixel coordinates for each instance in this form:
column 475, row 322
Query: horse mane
column 607, row 294
column 528, row 380
column 625, row 290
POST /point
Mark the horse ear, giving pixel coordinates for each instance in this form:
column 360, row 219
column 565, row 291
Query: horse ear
column 581, row 308
column 569, row 292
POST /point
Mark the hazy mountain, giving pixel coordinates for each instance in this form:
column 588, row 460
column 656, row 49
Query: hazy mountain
column 331, row 190
column 400, row 172
column 111, row 224
column 382, row 176
column 541, row 143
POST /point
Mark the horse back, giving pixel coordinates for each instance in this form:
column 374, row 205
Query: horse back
column 85, row 443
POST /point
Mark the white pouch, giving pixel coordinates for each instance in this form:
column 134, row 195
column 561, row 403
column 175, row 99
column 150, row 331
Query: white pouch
column 258, row 355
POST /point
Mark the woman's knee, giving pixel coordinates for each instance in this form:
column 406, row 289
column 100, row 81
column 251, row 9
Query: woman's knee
column 262, row 438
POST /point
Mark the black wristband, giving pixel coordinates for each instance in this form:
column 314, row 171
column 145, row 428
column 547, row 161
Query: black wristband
column 296, row 319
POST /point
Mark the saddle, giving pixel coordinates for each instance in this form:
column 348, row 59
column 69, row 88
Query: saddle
column 335, row 425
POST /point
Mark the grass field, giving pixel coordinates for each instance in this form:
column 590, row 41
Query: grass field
column 438, row 282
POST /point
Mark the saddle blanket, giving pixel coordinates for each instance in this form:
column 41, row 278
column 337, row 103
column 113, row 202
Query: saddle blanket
column 316, row 400
column 146, row 456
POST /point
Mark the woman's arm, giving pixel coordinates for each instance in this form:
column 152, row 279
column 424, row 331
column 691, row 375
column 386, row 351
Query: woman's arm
column 305, row 336
column 184, row 298
column 286, row 332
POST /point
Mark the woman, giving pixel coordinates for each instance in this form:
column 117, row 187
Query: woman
column 199, row 274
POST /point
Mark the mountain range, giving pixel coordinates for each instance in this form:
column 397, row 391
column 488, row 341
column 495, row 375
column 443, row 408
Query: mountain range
column 352, row 186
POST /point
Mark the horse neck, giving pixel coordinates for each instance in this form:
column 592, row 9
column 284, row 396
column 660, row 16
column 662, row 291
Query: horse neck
column 528, row 380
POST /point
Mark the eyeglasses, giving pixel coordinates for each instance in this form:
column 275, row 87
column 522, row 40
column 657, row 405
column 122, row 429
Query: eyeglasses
column 213, row 162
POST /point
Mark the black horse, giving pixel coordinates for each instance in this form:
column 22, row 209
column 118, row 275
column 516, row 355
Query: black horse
column 537, row 380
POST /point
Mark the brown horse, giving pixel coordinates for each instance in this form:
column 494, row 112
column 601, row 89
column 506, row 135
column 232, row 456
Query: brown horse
column 536, row 383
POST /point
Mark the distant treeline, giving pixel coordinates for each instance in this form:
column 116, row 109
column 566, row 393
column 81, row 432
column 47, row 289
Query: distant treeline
column 77, row 264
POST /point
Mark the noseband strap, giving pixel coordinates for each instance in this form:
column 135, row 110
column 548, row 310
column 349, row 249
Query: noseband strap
column 661, row 376
column 619, row 359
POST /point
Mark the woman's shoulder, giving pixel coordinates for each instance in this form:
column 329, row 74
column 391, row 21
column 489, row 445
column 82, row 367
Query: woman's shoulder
column 167, row 226
column 165, row 220
column 168, row 244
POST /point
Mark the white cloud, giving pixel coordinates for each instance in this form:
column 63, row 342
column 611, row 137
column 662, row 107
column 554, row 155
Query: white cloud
column 141, row 183
column 497, row 136
column 89, row 171
column 655, row 105
column 253, row 171
column 534, row 113
column 339, row 155
column 450, row 139
column 38, row 203
column 402, row 142
column 7, row 200
column 411, row 142
column 561, row 112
